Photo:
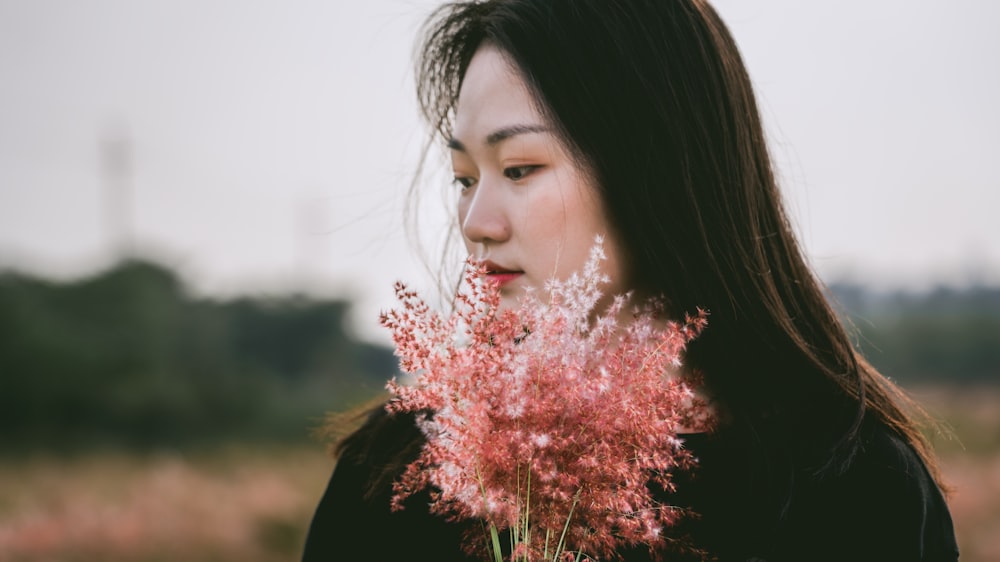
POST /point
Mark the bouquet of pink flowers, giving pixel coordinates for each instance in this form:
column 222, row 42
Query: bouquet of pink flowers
column 549, row 423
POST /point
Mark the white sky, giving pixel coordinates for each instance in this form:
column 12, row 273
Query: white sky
column 272, row 141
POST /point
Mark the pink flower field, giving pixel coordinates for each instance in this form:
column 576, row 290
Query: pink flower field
column 243, row 505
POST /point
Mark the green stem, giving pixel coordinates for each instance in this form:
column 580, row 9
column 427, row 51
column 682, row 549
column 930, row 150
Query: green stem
column 562, row 538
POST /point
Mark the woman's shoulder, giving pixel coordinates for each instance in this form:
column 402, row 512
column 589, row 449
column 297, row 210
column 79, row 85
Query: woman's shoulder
column 886, row 505
column 356, row 503
column 382, row 435
column 887, row 467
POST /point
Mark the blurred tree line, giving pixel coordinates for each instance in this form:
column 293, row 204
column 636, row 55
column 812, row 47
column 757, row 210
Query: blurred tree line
column 128, row 358
column 946, row 335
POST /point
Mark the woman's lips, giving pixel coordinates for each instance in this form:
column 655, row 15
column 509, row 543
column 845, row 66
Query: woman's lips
column 499, row 274
column 503, row 277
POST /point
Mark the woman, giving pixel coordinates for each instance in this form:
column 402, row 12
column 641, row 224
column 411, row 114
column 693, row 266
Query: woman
column 635, row 120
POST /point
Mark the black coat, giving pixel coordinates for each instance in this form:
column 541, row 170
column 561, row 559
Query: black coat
column 885, row 507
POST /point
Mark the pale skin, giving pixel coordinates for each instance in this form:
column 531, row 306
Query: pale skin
column 526, row 206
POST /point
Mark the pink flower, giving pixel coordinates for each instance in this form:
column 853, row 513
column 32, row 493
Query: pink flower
column 552, row 421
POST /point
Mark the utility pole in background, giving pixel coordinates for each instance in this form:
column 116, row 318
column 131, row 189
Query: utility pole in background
column 313, row 217
column 117, row 176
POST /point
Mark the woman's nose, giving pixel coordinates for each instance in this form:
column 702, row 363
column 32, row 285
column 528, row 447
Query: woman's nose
column 485, row 216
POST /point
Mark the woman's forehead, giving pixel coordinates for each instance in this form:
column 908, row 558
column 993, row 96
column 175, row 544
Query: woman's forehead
column 493, row 96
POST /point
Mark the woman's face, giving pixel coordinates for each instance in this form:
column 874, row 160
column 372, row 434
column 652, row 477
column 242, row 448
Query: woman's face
column 526, row 207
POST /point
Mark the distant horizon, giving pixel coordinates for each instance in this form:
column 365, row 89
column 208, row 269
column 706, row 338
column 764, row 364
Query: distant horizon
column 362, row 312
column 286, row 283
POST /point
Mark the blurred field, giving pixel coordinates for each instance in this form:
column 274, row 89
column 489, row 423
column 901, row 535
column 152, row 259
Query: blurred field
column 253, row 505
column 970, row 459
column 234, row 505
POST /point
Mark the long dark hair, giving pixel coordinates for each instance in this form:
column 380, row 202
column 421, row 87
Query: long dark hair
column 653, row 97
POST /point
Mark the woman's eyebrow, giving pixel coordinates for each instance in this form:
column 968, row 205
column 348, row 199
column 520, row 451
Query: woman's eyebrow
column 505, row 133
column 500, row 135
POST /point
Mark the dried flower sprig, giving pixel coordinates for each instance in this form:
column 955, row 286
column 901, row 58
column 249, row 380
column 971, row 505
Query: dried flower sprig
column 551, row 422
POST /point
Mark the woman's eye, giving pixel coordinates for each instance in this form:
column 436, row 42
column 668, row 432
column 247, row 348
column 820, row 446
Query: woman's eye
column 465, row 182
column 516, row 173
